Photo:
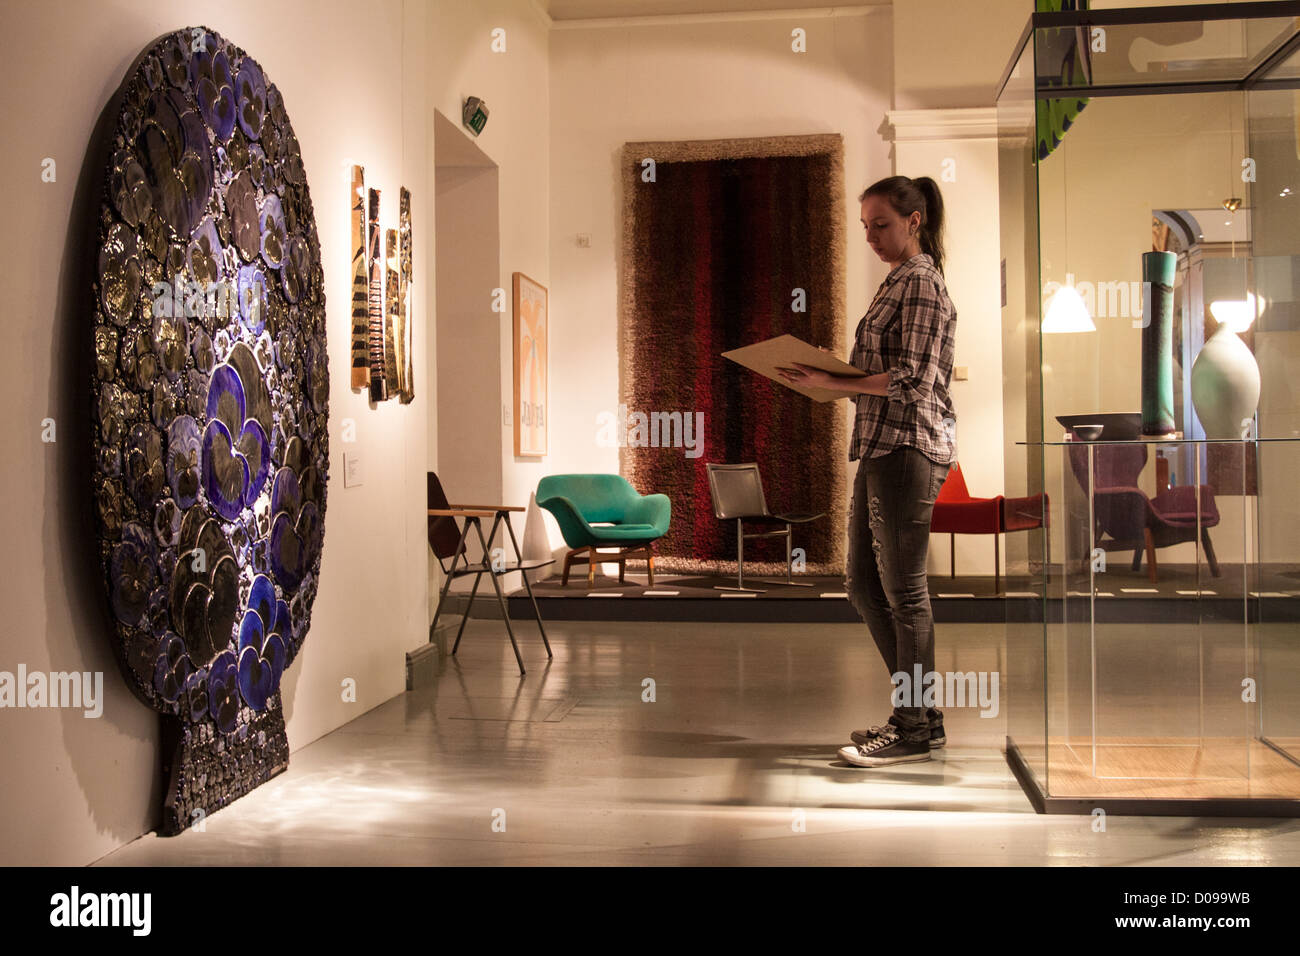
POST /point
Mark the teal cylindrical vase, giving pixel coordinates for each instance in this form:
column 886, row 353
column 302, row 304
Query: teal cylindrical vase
column 1158, row 343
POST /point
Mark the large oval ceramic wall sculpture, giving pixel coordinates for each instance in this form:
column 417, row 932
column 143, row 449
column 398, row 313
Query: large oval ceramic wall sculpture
column 211, row 401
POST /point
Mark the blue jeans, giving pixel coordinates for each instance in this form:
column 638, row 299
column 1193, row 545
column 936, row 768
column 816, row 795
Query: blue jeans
column 889, row 540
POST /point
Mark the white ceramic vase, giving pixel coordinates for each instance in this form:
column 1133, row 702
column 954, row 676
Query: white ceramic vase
column 1225, row 385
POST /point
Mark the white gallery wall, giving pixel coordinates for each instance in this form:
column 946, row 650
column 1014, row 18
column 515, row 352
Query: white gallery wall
column 354, row 83
column 950, row 55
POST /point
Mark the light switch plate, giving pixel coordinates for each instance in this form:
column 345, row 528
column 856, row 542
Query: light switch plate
column 960, row 372
column 351, row 469
column 506, row 418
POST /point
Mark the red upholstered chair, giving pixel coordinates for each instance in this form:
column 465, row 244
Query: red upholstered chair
column 956, row 512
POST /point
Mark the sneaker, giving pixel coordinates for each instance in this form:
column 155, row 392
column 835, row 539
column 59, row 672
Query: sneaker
column 937, row 738
column 888, row 748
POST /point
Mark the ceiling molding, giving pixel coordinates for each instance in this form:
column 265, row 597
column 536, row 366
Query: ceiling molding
column 914, row 126
column 747, row 16
column 542, row 12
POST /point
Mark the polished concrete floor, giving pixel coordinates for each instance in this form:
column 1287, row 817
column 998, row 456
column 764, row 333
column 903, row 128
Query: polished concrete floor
column 726, row 757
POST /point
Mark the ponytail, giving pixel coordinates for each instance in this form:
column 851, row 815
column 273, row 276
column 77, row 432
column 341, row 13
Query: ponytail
column 922, row 195
column 931, row 220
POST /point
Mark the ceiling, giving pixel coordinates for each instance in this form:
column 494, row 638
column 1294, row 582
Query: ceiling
column 598, row 9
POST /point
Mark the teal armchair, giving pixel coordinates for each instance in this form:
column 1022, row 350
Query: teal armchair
column 604, row 511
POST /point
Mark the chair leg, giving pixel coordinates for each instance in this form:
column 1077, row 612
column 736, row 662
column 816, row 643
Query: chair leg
column 591, row 567
column 997, row 569
column 1137, row 559
column 789, row 555
column 622, row 567
column 1209, row 552
column 468, row 608
column 505, row 611
column 740, row 564
column 1047, row 543
column 650, row 561
column 537, row 614
column 529, row 588
column 501, row 598
column 740, row 553
column 1151, row 554
column 450, row 576
column 952, row 554
column 568, row 562
column 437, row 612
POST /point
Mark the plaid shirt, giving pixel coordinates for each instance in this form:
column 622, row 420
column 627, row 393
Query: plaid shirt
column 909, row 332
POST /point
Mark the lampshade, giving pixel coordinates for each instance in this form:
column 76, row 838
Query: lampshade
column 1236, row 314
column 1067, row 313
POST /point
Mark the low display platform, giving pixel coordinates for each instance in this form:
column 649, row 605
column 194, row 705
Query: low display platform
column 1128, row 597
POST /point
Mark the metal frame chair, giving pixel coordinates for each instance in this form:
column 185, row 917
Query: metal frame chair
column 447, row 541
column 737, row 492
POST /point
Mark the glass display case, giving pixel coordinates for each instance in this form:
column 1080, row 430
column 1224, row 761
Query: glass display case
column 1149, row 175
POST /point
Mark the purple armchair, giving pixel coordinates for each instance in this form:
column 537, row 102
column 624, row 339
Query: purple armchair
column 1125, row 517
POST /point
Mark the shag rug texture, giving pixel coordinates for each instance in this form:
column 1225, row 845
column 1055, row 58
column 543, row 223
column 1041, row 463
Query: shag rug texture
column 726, row 243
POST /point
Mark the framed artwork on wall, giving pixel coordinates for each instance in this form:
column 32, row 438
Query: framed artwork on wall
column 531, row 380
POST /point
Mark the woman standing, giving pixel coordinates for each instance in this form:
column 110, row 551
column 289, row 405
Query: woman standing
column 904, row 442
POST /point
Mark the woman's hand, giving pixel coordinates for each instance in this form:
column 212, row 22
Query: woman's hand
column 806, row 376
